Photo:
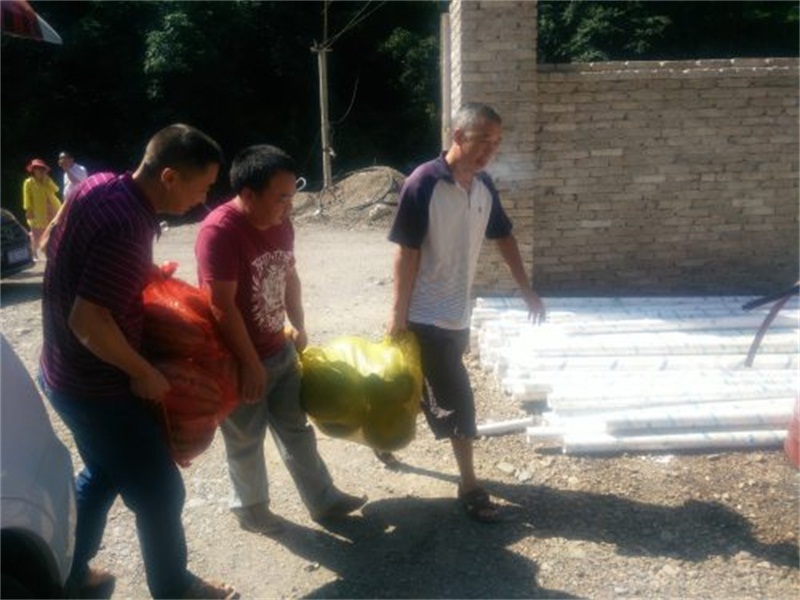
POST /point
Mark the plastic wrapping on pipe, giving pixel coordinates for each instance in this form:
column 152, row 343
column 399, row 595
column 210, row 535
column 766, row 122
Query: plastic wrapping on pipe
column 687, row 407
column 549, row 340
column 575, row 408
column 680, row 411
column 639, row 364
column 759, row 415
column 718, row 440
column 594, row 384
column 757, row 418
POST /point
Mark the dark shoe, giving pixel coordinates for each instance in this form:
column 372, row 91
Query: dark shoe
column 98, row 583
column 388, row 459
column 342, row 506
column 200, row 588
column 258, row 518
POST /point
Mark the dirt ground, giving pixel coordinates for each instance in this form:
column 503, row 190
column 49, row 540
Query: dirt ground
column 704, row 526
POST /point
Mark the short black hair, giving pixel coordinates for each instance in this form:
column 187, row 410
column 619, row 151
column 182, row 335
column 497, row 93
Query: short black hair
column 255, row 166
column 180, row 147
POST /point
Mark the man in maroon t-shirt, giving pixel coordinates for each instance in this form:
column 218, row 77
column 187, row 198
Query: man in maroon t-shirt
column 99, row 255
column 245, row 257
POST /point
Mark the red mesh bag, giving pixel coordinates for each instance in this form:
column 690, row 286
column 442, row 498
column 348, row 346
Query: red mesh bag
column 182, row 340
column 178, row 319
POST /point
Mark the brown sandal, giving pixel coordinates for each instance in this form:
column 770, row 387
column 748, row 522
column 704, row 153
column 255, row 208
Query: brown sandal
column 479, row 505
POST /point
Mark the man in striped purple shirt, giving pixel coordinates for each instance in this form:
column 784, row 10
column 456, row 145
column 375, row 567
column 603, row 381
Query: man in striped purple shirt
column 98, row 258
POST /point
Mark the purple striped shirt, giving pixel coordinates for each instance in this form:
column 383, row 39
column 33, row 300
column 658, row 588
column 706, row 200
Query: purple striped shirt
column 101, row 251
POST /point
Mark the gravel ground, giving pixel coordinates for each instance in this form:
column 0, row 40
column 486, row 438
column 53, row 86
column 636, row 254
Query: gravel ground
column 682, row 526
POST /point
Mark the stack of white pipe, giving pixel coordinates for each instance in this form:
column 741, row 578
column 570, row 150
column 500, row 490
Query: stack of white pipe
column 628, row 374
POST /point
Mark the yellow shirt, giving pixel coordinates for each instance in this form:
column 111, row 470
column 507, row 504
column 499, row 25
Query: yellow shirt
column 40, row 201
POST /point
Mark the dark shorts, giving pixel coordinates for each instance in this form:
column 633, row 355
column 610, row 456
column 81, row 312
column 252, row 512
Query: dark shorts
column 447, row 402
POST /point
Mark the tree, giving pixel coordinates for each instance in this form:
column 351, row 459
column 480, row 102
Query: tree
column 241, row 70
column 582, row 31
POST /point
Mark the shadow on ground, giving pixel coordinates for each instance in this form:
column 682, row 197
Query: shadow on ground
column 418, row 548
column 426, row 548
column 693, row 531
column 21, row 287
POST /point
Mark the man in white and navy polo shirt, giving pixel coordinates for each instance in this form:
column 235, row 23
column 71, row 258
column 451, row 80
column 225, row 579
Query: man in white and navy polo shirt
column 447, row 206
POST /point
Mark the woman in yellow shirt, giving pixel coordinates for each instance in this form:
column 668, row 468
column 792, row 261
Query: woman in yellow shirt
column 39, row 201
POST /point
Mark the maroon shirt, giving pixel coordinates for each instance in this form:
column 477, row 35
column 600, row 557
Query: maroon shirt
column 229, row 248
column 102, row 251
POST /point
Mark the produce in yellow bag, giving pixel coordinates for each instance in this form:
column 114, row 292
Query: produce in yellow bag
column 331, row 393
column 364, row 391
column 389, row 424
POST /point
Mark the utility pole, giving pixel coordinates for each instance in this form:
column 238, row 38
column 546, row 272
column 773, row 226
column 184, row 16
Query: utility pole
column 322, row 63
column 321, row 51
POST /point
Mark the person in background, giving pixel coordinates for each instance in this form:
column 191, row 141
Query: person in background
column 73, row 172
column 39, row 200
column 245, row 258
column 447, row 206
column 100, row 255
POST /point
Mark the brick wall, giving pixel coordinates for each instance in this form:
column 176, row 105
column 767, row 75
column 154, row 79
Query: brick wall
column 634, row 178
column 667, row 177
column 493, row 60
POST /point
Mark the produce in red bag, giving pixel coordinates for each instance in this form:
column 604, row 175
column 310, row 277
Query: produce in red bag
column 181, row 338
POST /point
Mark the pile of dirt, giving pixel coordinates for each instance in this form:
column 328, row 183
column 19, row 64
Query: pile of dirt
column 366, row 198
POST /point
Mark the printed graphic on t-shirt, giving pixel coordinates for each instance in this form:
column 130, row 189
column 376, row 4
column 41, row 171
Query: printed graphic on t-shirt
column 269, row 285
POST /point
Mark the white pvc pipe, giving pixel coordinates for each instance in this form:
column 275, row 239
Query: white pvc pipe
column 639, row 422
column 588, row 406
column 553, row 433
column 574, row 444
column 527, row 388
column 636, row 364
column 694, row 408
column 777, row 418
column 598, row 303
column 620, row 382
column 554, row 343
column 503, row 427
column 641, row 364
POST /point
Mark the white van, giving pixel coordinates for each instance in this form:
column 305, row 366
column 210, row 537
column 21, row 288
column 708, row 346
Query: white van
column 38, row 490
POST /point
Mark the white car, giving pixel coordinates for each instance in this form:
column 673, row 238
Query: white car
column 38, row 490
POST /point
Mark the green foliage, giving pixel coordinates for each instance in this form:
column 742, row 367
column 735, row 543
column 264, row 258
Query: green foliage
column 594, row 31
column 415, row 56
column 244, row 72
column 241, row 70
column 172, row 48
column 584, row 31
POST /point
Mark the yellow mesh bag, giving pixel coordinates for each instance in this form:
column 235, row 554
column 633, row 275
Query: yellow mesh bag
column 364, row 391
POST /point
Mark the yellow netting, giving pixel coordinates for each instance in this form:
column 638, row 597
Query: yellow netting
column 364, row 391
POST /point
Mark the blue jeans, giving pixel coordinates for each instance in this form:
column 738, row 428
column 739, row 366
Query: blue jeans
column 124, row 452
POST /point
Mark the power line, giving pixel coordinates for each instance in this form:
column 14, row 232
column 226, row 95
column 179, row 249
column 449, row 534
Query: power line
column 352, row 102
column 359, row 17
